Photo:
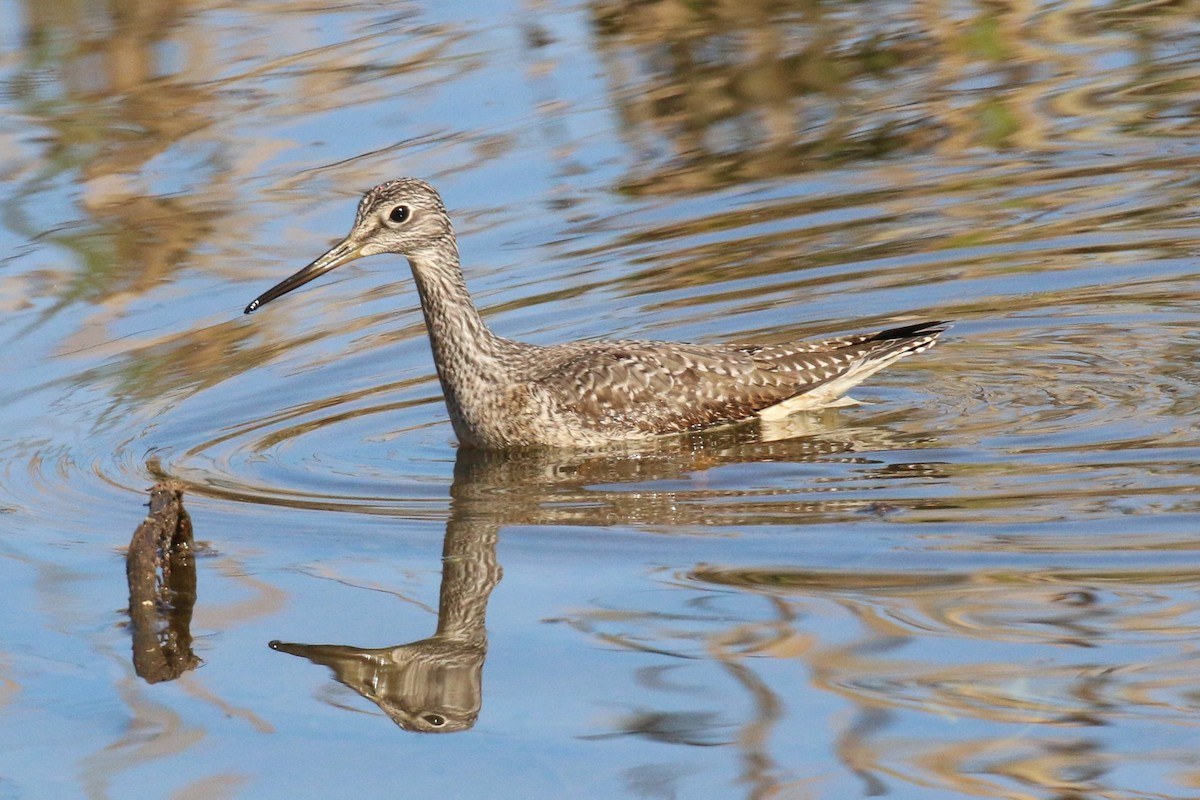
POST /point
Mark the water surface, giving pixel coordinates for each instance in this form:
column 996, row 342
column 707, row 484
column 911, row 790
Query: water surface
column 983, row 583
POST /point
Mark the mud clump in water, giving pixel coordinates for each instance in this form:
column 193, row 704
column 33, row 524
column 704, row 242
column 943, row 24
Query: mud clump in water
column 161, row 570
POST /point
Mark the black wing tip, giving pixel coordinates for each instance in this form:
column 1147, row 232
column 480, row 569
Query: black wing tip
column 250, row 309
column 916, row 329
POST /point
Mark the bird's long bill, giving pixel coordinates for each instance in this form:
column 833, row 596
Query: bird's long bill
column 343, row 253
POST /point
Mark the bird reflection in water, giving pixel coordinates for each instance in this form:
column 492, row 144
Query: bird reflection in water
column 434, row 685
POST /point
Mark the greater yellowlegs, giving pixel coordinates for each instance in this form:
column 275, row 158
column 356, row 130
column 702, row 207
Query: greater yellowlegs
column 505, row 394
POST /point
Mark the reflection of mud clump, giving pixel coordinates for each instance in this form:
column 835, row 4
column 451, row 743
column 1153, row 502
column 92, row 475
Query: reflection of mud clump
column 161, row 568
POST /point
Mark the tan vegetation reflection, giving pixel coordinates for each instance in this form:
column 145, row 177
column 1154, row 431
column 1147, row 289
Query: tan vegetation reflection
column 1033, row 701
column 115, row 109
column 712, row 94
column 121, row 94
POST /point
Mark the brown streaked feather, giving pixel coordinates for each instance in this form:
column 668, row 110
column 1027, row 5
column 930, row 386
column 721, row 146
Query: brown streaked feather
column 667, row 386
column 655, row 388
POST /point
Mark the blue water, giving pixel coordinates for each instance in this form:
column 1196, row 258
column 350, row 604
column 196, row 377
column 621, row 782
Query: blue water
column 981, row 584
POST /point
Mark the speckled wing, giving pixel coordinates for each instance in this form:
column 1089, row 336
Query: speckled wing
column 831, row 367
column 662, row 387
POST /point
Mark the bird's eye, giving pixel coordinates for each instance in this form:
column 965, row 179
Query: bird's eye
column 400, row 214
column 436, row 720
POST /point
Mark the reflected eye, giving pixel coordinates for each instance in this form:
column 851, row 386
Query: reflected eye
column 435, row 720
column 400, row 214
